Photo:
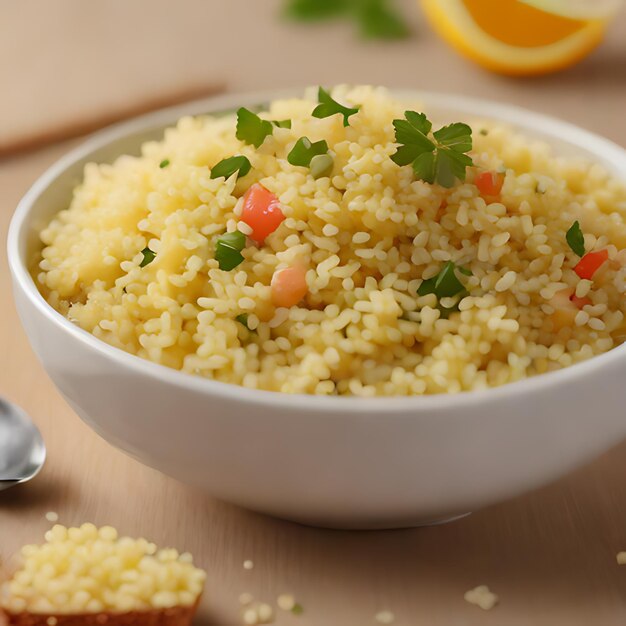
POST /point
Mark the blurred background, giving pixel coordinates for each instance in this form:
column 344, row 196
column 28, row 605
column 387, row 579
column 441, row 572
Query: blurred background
column 68, row 64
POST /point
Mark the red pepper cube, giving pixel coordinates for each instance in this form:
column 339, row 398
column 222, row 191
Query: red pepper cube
column 289, row 286
column 591, row 263
column 261, row 211
column 489, row 184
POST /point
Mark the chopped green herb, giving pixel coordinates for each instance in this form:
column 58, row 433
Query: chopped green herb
column 464, row 271
column 484, row 132
column 327, row 107
column 304, row 151
column 441, row 159
column 444, row 285
column 282, row 123
column 575, row 239
column 228, row 249
column 251, row 128
column 321, row 165
column 164, row 163
column 227, row 167
column 297, row 609
column 242, row 318
column 148, row 257
column 377, row 20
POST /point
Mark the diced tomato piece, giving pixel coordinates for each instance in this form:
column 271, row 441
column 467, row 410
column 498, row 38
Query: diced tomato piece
column 591, row 263
column 289, row 286
column 261, row 211
column 580, row 302
column 489, row 183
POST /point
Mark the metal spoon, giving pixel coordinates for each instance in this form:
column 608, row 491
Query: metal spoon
column 22, row 450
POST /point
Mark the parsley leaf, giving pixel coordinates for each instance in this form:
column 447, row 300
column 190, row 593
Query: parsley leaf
column 251, row 128
column 457, row 137
column 148, row 257
column 445, row 284
column 228, row 249
column 413, row 133
column 377, row 20
column 575, row 239
column 304, row 151
column 227, row 167
column 441, row 159
column 327, row 107
column 164, row 163
column 282, row 123
column 297, row 609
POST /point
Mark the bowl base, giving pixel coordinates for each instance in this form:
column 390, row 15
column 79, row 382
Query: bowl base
column 401, row 524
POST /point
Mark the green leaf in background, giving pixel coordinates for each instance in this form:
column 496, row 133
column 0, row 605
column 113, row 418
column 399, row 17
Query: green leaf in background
column 251, row 128
column 376, row 19
column 164, row 163
column 575, row 239
column 148, row 257
column 314, row 10
column 228, row 249
column 304, row 151
column 327, row 107
column 227, row 167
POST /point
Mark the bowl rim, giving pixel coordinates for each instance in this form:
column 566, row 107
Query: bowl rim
column 485, row 109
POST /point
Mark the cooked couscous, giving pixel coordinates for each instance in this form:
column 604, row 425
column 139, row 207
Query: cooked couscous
column 335, row 244
column 91, row 571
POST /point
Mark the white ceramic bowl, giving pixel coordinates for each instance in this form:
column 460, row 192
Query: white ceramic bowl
column 332, row 461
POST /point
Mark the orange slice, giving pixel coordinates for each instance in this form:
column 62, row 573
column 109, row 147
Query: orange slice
column 518, row 37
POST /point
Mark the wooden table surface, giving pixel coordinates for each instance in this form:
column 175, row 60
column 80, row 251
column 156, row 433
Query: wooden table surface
column 549, row 555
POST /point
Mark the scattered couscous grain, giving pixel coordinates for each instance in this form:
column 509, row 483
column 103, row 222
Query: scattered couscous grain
column 621, row 558
column 52, row 517
column 359, row 320
column 385, row 617
column 258, row 613
column 286, row 602
column 248, row 564
column 482, row 597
